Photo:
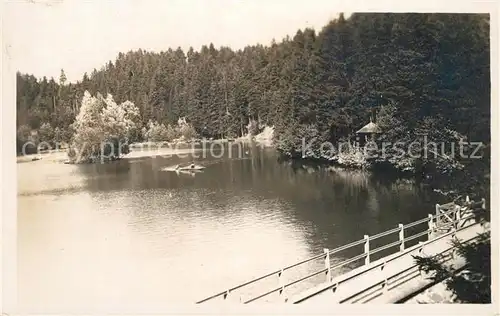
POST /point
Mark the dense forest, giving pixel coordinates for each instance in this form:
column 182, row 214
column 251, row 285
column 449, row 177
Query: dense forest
column 413, row 73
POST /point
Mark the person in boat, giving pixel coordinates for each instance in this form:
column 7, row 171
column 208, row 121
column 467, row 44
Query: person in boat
column 191, row 166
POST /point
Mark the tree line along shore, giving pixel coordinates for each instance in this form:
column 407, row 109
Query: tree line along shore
column 412, row 74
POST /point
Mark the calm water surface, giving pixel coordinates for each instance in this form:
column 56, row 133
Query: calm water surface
column 129, row 236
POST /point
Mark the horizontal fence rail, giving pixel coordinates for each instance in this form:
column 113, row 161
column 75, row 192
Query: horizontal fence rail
column 448, row 218
column 386, row 283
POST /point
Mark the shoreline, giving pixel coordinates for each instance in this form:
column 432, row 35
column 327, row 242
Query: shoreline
column 144, row 149
column 60, row 156
column 244, row 139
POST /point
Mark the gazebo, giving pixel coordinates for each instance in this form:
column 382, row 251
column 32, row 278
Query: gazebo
column 367, row 133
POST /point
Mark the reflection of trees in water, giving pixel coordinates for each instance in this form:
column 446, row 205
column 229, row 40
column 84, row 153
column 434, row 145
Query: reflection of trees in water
column 355, row 178
column 333, row 206
column 316, row 207
column 106, row 176
column 372, row 202
column 404, row 185
column 352, row 202
column 259, row 175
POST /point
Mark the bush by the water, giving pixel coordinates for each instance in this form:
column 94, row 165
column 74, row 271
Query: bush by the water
column 158, row 132
column 30, row 141
column 102, row 128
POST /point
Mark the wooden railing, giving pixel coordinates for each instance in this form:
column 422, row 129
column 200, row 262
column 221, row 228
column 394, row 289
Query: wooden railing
column 448, row 217
column 381, row 281
column 451, row 212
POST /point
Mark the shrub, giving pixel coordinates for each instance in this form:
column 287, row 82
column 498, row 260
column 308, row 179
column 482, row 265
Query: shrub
column 253, row 127
column 46, row 133
column 187, row 131
column 100, row 126
column 472, row 285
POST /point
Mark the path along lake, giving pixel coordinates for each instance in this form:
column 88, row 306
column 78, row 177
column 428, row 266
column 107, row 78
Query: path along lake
column 127, row 236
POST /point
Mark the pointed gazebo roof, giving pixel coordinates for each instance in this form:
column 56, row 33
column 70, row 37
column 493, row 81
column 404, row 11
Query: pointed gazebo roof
column 370, row 128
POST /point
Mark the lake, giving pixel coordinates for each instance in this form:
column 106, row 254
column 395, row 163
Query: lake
column 127, row 236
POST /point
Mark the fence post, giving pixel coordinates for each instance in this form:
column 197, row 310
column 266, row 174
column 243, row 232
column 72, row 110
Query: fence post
column 420, row 250
column 327, row 265
column 430, row 227
column 458, row 216
column 384, row 289
column 438, row 208
column 401, row 237
column 280, row 282
column 367, row 249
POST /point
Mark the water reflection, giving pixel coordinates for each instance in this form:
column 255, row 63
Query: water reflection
column 146, row 237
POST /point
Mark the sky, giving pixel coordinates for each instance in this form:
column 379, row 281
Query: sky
column 44, row 36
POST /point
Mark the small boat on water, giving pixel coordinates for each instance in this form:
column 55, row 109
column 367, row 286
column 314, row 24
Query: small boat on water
column 191, row 173
column 191, row 167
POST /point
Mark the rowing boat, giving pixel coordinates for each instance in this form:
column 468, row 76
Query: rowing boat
column 191, row 167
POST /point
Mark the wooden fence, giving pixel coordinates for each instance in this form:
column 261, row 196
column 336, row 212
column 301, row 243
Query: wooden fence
column 448, row 218
column 394, row 278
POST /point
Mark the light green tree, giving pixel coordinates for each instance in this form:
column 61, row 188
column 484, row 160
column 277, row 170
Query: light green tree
column 102, row 128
